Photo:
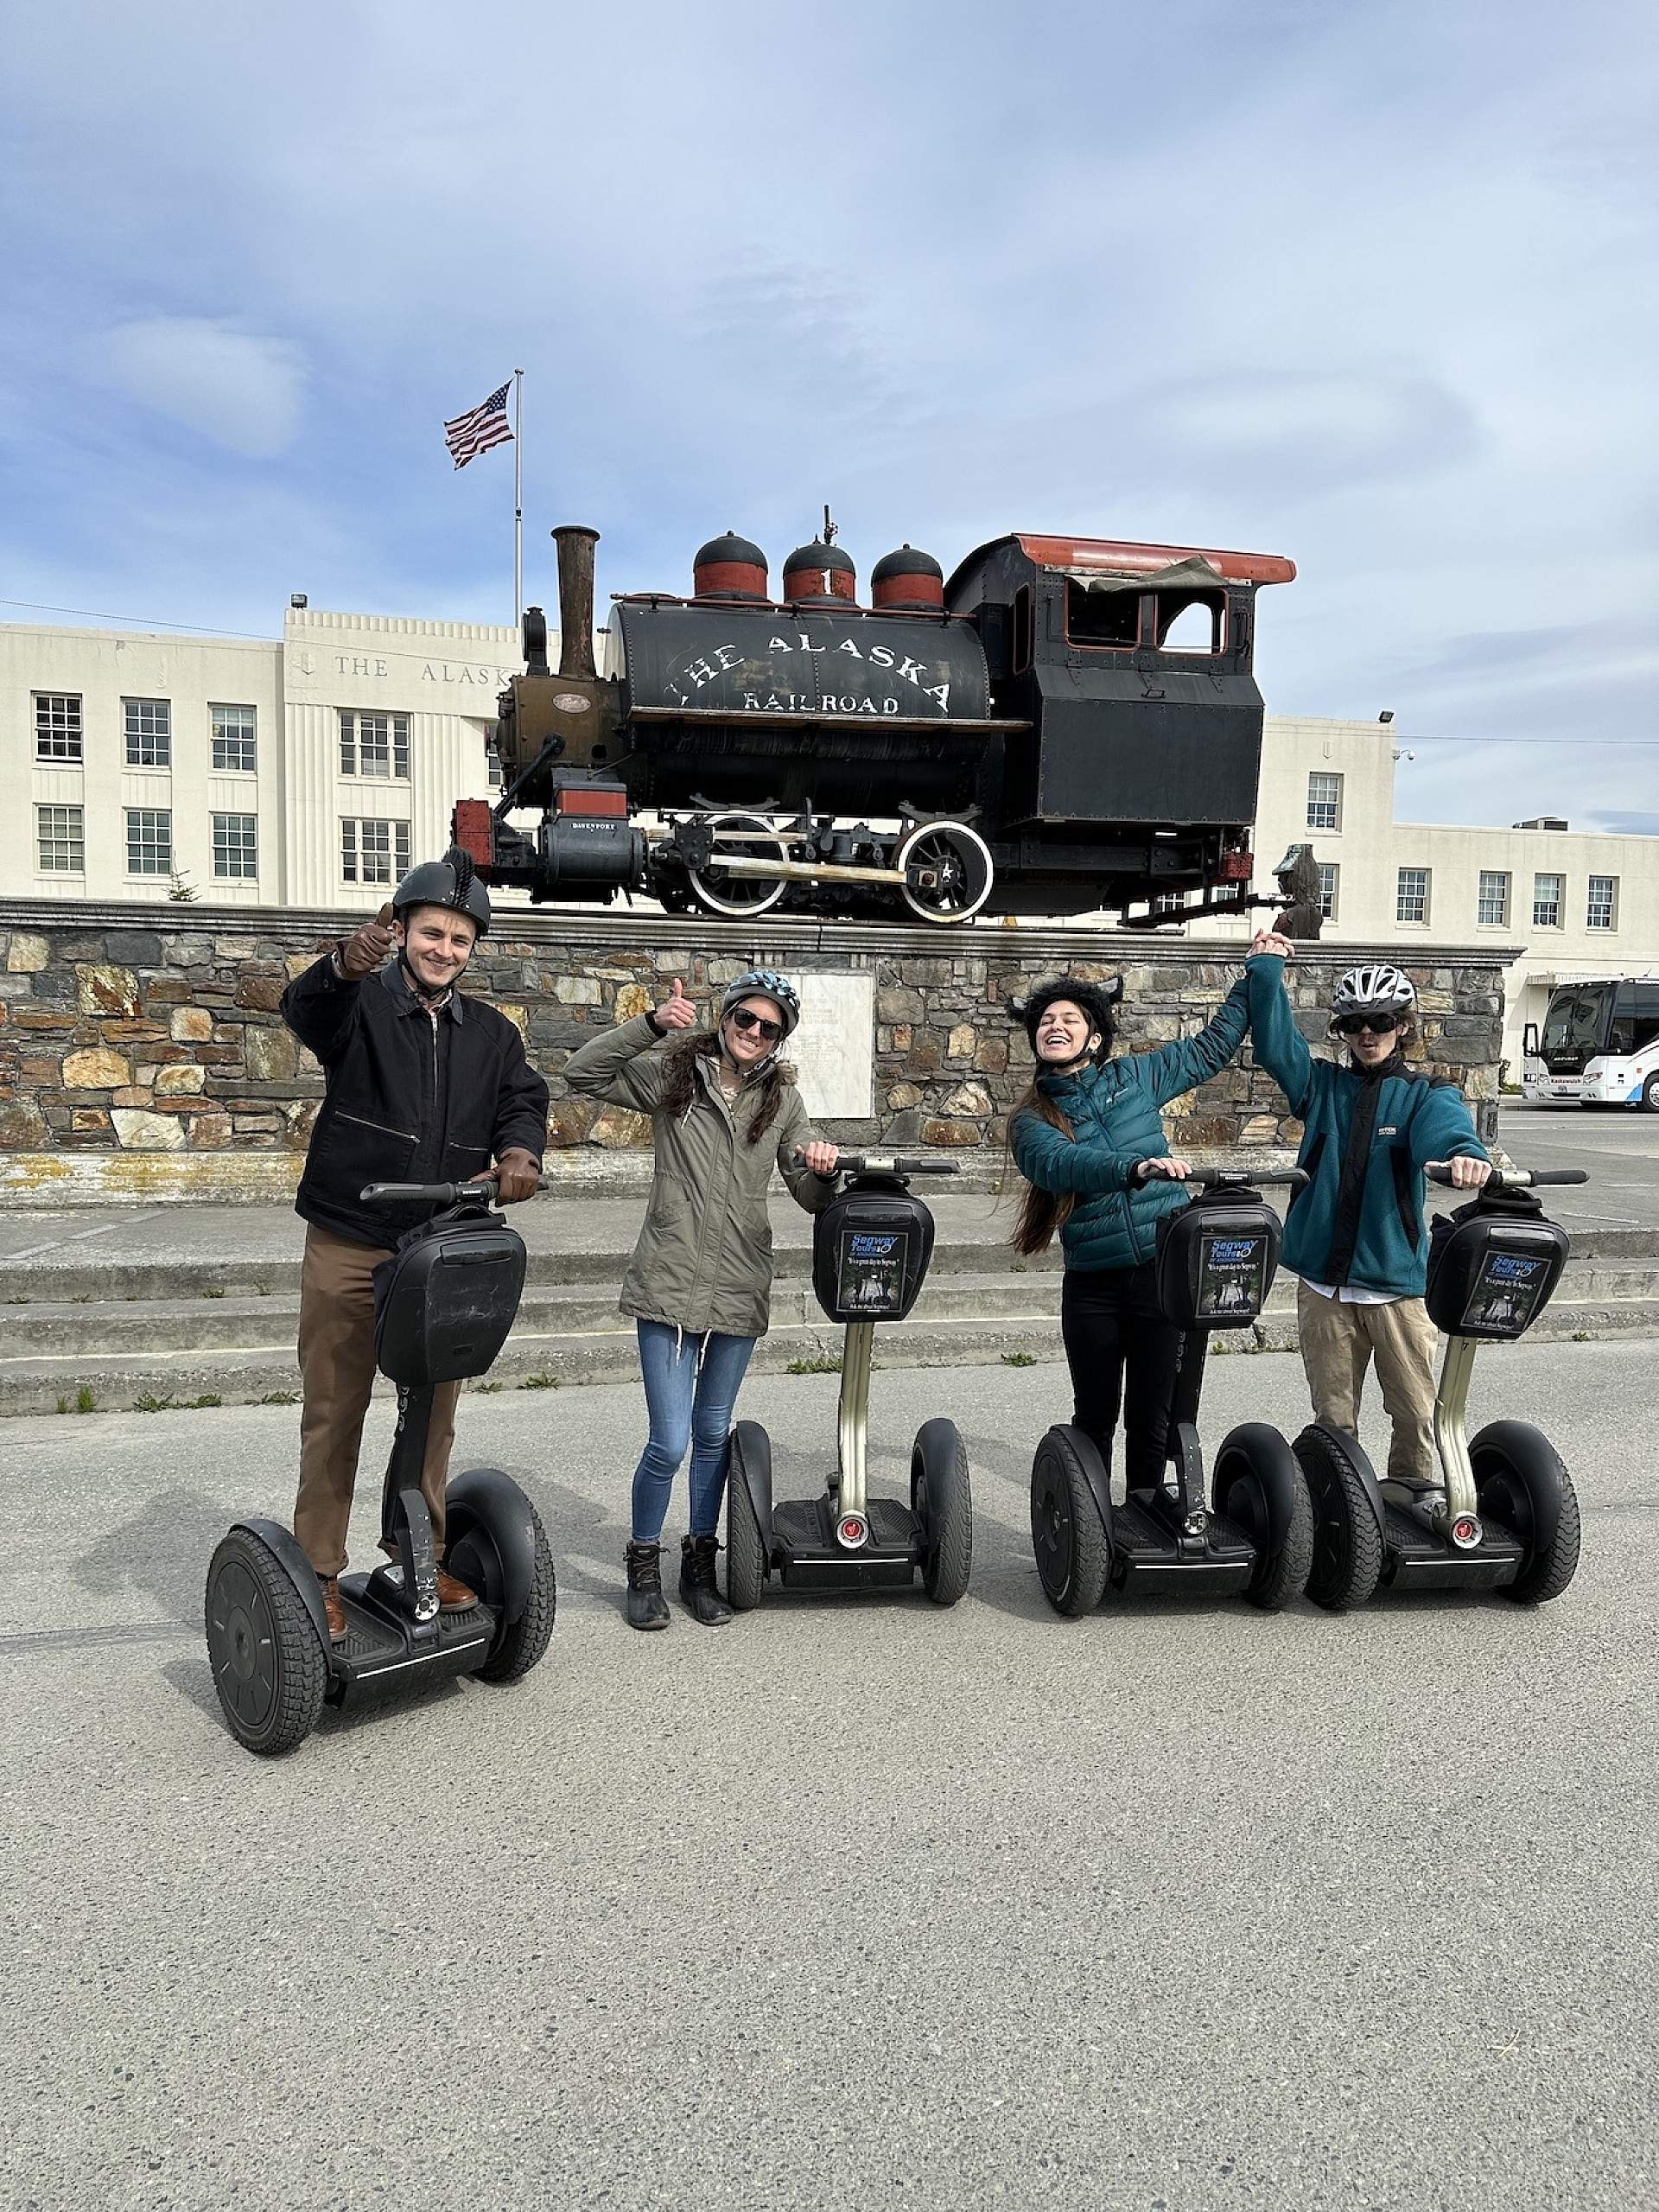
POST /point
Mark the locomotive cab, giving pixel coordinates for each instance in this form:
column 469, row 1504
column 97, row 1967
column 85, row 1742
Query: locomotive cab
column 1132, row 667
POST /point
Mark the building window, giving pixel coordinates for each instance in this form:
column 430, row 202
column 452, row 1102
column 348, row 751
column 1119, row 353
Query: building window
column 1324, row 801
column 373, row 852
column 57, row 726
column 1411, row 897
column 150, row 841
column 234, row 750
column 493, row 760
column 1329, row 875
column 1492, row 900
column 236, row 846
column 373, row 745
column 61, row 840
column 150, row 733
column 1601, row 903
column 1547, row 894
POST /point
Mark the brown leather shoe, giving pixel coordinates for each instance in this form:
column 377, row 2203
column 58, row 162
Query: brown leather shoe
column 454, row 1597
column 333, row 1608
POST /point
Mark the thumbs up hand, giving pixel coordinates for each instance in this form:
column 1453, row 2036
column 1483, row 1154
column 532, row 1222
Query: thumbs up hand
column 366, row 950
column 676, row 1011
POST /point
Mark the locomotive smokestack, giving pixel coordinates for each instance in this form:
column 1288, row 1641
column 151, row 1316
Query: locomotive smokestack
column 576, row 543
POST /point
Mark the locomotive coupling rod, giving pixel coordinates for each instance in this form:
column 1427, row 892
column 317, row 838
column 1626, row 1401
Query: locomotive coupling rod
column 804, row 872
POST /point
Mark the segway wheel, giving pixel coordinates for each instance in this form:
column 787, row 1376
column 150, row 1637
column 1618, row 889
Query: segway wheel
column 745, row 1553
column 269, row 1668
column 523, row 1644
column 1072, row 1547
column 1521, row 1482
column 942, row 1505
column 1254, row 1465
column 1347, row 1563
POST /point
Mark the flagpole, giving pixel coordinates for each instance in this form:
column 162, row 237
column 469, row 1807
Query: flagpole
column 517, row 497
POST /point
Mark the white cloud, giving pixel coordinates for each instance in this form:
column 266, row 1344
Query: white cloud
column 241, row 391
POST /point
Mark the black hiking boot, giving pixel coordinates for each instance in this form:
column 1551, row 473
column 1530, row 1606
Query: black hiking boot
column 697, row 1591
column 646, row 1606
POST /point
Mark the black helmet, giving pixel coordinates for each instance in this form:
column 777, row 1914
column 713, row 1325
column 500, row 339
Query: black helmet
column 1097, row 1000
column 448, row 882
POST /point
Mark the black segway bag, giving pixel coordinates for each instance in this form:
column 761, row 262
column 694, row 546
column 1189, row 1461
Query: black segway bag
column 1493, row 1266
column 446, row 1298
column 870, row 1250
column 1216, row 1260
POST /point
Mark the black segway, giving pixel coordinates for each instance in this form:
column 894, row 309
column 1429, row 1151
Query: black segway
column 1505, row 1516
column 870, row 1249
column 444, row 1303
column 1253, row 1535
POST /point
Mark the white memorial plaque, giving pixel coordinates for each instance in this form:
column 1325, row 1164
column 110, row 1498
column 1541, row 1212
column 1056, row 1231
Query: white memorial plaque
column 835, row 1047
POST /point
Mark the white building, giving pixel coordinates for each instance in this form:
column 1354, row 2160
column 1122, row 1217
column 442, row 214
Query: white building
column 310, row 771
column 1581, row 904
column 304, row 771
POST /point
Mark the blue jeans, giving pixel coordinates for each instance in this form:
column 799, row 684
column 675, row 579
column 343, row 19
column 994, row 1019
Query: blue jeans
column 691, row 1385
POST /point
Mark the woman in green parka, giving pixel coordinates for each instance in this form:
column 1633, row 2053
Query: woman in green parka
column 724, row 1108
column 1088, row 1139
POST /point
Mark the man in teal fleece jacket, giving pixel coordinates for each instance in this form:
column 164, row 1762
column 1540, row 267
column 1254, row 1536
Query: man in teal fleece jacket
column 1357, row 1235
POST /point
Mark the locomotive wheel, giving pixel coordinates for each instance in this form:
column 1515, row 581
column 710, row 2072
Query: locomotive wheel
column 960, row 863
column 737, row 897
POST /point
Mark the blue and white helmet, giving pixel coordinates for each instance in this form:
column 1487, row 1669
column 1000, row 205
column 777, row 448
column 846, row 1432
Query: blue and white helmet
column 766, row 983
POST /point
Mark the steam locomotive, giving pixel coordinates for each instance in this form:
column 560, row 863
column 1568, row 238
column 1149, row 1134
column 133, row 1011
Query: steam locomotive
column 1067, row 724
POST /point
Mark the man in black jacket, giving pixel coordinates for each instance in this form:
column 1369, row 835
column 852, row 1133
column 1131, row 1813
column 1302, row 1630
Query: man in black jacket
column 423, row 1086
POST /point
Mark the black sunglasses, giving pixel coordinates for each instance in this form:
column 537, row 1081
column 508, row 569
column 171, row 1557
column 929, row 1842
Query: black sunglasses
column 746, row 1019
column 1375, row 1025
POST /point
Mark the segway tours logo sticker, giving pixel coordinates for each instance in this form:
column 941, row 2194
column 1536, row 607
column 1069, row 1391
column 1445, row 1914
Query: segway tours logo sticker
column 871, row 1271
column 1505, row 1295
column 1232, row 1278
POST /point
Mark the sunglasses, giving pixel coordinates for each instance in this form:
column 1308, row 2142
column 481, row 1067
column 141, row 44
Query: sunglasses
column 1372, row 1025
column 744, row 1019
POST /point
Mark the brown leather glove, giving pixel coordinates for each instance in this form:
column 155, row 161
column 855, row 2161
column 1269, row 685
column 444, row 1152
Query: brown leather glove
column 361, row 954
column 518, row 1175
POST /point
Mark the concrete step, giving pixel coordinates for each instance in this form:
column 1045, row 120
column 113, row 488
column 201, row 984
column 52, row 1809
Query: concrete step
column 210, row 1322
column 1021, row 1332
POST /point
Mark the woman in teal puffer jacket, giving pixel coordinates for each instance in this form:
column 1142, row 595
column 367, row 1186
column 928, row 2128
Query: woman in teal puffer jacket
column 1088, row 1140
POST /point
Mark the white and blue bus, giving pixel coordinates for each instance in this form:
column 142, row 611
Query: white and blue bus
column 1599, row 1045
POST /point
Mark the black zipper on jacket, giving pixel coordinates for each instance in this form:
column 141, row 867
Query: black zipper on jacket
column 1351, row 1186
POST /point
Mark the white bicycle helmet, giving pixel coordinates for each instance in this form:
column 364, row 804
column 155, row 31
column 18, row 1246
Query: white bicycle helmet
column 1375, row 988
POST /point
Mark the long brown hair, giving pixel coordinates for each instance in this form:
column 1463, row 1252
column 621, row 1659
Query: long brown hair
column 1041, row 1213
column 680, row 1081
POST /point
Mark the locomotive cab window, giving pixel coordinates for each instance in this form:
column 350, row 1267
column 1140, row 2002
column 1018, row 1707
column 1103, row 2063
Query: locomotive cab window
column 1102, row 618
column 1188, row 621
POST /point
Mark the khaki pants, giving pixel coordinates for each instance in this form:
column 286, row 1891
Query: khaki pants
column 337, row 1368
column 1339, row 1342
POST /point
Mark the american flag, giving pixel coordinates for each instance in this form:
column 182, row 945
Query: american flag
column 480, row 429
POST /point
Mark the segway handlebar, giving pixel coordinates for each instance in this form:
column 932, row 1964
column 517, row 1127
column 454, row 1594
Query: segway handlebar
column 1522, row 1179
column 430, row 1194
column 1231, row 1179
column 890, row 1163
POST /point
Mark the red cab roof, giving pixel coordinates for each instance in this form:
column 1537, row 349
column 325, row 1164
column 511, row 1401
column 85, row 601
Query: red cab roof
column 1115, row 553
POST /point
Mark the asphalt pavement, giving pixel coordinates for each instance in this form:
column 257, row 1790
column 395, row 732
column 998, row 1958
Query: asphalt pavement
column 1618, row 1147
column 851, row 1903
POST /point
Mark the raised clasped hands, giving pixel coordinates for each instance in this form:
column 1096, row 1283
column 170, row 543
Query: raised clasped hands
column 1272, row 941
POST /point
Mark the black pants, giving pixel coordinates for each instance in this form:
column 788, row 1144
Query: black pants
column 1122, row 1352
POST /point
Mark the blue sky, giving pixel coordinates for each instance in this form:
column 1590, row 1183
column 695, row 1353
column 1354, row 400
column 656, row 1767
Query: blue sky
column 1371, row 286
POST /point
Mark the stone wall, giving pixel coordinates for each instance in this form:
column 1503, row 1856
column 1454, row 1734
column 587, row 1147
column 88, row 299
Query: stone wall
column 124, row 1032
